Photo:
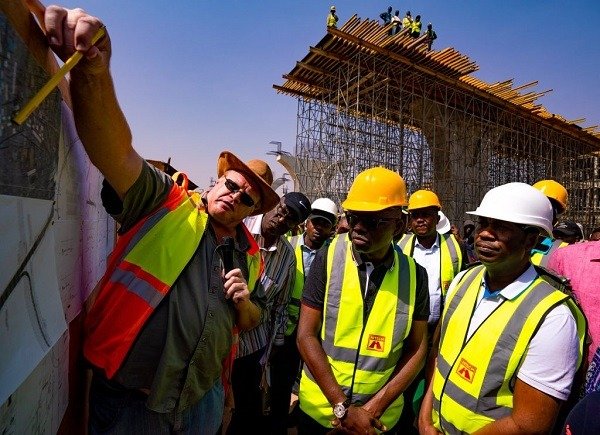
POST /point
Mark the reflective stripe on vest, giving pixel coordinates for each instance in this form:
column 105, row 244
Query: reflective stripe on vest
column 362, row 356
column 472, row 379
column 450, row 256
column 542, row 258
column 146, row 262
column 293, row 307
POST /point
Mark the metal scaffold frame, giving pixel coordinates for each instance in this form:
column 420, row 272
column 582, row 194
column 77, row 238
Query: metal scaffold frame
column 371, row 110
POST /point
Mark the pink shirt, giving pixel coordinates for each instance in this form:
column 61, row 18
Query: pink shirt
column 581, row 264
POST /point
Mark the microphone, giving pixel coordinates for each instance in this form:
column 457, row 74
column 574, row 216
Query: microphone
column 227, row 253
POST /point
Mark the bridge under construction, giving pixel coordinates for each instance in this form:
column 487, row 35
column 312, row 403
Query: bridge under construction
column 366, row 99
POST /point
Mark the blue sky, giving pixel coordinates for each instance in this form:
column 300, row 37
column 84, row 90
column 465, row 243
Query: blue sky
column 195, row 77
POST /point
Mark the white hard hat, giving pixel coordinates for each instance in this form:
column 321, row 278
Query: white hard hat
column 519, row 203
column 443, row 225
column 326, row 205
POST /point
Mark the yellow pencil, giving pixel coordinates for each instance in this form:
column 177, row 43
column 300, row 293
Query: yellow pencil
column 37, row 99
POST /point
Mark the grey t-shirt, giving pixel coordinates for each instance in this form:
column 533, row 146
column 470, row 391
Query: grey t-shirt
column 179, row 352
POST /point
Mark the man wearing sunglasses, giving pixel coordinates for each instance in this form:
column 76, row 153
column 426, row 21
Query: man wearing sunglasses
column 363, row 322
column 256, row 346
column 511, row 338
column 162, row 321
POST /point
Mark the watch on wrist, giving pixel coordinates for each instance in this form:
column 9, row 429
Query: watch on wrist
column 340, row 409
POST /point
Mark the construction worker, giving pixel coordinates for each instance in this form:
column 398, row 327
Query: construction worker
column 442, row 257
column 363, row 323
column 386, row 16
column 332, row 18
column 431, row 36
column 558, row 197
column 511, row 339
column 396, row 23
column 258, row 346
column 407, row 21
column 285, row 364
column 415, row 27
column 162, row 320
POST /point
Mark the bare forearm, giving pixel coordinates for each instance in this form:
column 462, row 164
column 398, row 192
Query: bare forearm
column 247, row 315
column 316, row 360
column 103, row 129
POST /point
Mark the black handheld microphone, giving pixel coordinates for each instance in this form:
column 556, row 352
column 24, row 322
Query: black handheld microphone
column 227, row 253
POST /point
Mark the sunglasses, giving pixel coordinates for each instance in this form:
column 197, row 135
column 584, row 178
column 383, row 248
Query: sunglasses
column 233, row 187
column 370, row 223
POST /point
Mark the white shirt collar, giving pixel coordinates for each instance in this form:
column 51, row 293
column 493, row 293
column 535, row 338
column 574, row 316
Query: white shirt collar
column 519, row 285
column 436, row 244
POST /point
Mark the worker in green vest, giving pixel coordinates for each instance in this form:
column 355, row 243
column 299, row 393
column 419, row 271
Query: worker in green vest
column 443, row 257
column 363, row 322
column 407, row 21
column 415, row 27
column 547, row 244
column 332, row 18
column 512, row 338
column 285, row 364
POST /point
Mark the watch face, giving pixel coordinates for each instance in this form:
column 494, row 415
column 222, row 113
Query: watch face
column 339, row 410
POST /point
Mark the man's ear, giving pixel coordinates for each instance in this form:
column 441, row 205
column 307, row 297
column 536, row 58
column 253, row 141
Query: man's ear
column 531, row 238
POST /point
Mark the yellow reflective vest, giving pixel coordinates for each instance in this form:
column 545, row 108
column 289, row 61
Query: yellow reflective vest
column 451, row 256
column 473, row 377
column 416, row 27
column 363, row 352
column 293, row 308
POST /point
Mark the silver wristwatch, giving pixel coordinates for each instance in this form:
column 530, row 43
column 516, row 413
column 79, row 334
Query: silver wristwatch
column 340, row 409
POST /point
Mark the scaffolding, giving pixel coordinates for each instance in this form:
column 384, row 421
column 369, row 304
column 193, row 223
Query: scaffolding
column 367, row 99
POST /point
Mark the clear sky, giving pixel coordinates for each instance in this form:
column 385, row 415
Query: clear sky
column 195, row 77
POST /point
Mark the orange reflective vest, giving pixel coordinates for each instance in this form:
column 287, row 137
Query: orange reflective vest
column 145, row 263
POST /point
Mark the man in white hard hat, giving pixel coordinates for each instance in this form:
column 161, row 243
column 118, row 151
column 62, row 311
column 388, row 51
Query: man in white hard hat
column 285, row 363
column 332, row 18
column 511, row 339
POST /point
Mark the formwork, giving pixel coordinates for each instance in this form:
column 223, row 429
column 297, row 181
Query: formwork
column 369, row 99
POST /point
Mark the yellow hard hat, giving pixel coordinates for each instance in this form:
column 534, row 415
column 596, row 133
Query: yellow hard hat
column 376, row 189
column 554, row 190
column 422, row 199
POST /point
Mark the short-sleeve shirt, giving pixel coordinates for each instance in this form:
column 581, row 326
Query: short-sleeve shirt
column 178, row 354
column 316, row 282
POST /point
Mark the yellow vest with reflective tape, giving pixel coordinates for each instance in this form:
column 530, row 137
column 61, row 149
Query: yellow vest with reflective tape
column 363, row 353
column 451, row 258
column 293, row 307
column 473, row 377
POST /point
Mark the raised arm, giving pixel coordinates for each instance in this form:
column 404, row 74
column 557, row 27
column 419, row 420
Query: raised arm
column 100, row 123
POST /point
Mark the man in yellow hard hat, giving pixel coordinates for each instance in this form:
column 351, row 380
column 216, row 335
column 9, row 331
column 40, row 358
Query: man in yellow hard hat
column 511, row 338
column 441, row 255
column 558, row 197
column 363, row 321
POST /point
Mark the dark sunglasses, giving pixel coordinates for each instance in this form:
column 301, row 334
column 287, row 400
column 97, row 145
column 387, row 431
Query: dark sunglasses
column 234, row 188
column 370, row 223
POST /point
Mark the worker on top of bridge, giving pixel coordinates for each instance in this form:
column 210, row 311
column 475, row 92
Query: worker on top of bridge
column 431, row 36
column 558, row 197
column 415, row 29
column 396, row 23
column 407, row 21
column 386, row 16
column 332, row 18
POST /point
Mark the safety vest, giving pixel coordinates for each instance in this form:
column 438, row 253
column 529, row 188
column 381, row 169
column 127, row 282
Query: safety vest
column 540, row 255
column 450, row 256
column 331, row 20
column 362, row 351
column 407, row 23
column 473, row 377
column 416, row 27
column 145, row 263
column 293, row 307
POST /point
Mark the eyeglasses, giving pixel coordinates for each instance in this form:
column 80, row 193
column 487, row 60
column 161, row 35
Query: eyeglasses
column 233, row 187
column 370, row 223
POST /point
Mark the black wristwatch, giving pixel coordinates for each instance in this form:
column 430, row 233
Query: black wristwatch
column 340, row 409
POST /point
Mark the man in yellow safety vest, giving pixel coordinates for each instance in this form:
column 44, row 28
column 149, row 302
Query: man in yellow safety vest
column 511, row 338
column 363, row 322
column 181, row 276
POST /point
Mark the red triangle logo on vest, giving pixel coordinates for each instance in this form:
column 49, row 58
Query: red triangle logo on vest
column 466, row 370
column 376, row 343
